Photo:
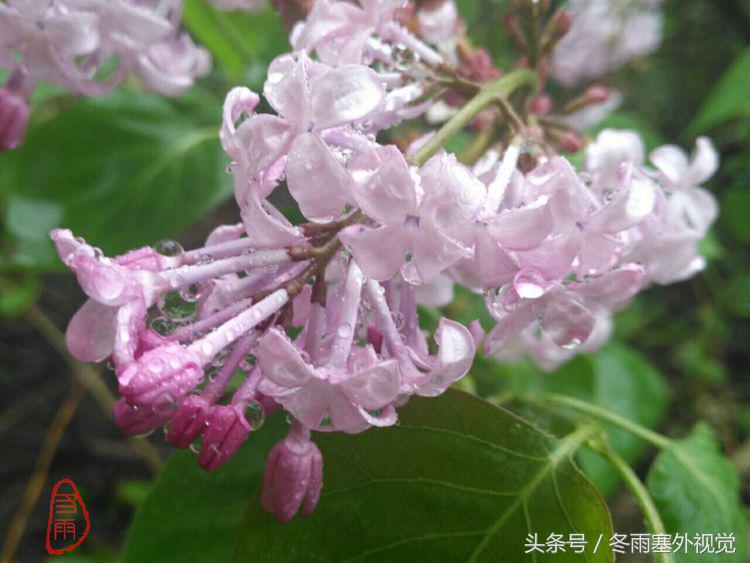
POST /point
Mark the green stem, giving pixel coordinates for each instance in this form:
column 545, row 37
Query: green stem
column 654, row 438
column 488, row 94
column 642, row 496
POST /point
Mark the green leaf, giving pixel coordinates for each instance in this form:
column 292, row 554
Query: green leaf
column 243, row 43
column 456, row 480
column 729, row 98
column 696, row 490
column 122, row 171
column 18, row 294
column 617, row 379
column 192, row 515
column 735, row 208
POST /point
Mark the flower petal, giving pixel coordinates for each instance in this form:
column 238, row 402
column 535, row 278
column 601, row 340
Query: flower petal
column 348, row 93
column 374, row 387
column 281, row 362
column 453, row 195
column 379, row 252
column 91, row 332
column 316, row 180
column 383, row 186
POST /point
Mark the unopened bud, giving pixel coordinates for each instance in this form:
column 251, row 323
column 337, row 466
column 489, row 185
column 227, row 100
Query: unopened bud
column 541, row 105
column 597, row 94
column 570, row 142
column 14, row 109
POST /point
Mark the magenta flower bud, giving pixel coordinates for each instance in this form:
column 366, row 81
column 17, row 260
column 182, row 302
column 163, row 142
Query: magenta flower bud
column 14, row 109
column 570, row 142
column 541, row 105
column 134, row 420
column 188, row 421
column 227, row 429
column 160, row 376
column 562, row 21
column 294, row 475
column 597, row 94
column 14, row 116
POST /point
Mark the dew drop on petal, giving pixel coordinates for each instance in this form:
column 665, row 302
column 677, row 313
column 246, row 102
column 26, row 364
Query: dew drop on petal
column 255, row 415
column 168, row 247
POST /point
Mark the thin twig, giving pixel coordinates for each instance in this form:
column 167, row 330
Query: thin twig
column 34, row 488
column 91, row 380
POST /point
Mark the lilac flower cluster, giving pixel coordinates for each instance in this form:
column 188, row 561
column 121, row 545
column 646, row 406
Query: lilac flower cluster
column 605, row 35
column 321, row 319
column 88, row 47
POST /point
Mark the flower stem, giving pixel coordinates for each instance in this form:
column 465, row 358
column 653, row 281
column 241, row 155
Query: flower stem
column 488, row 94
column 641, row 494
column 658, row 440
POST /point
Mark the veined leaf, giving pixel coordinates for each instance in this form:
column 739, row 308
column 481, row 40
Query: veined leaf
column 729, row 99
column 456, row 480
column 696, row 490
column 122, row 171
column 191, row 515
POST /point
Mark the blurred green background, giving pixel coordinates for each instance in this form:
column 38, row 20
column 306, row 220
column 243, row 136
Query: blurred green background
column 132, row 168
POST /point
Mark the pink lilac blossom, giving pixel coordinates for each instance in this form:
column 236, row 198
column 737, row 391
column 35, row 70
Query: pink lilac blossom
column 90, row 46
column 605, row 35
column 321, row 319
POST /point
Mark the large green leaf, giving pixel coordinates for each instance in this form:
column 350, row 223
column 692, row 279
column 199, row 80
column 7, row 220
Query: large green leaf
column 617, row 379
column 696, row 490
column 729, row 98
column 122, row 171
column 192, row 515
column 241, row 42
column 456, row 480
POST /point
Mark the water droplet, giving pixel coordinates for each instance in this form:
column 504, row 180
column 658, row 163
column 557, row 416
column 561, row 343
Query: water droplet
column 398, row 319
column 212, row 372
column 174, row 307
column 168, row 247
column 192, row 292
column 609, row 194
column 573, row 344
column 165, row 405
column 145, row 434
column 248, row 363
column 344, row 330
column 195, row 445
column 163, row 326
column 255, row 415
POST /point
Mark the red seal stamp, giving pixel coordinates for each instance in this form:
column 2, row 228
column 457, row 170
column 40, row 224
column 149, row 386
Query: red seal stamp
column 68, row 523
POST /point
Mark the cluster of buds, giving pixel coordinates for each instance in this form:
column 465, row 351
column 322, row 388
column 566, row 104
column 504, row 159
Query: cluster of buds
column 321, row 319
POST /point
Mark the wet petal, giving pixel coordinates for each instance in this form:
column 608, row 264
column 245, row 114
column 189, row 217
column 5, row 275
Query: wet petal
column 348, row 93
column 379, row 252
column 91, row 332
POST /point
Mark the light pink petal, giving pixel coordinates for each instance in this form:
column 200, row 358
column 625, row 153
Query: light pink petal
column 379, row 252
column 615, row 288
column 261, row 141
column 510, row 326
column 671, row 161
column 634, row 201
column 287, row 87
column 383, row 186
column 91, row 332
column 374, row 387
column 437, row 293
column 281, row 362
column 265, row 224
column 522, row 228
column 695, row 208
column 452, row 194
column 239, row 101
column 433, row 252
column 705, row 161
column 346, row 94
column 567, row 321
column 316, row 179
column 554, row 257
